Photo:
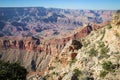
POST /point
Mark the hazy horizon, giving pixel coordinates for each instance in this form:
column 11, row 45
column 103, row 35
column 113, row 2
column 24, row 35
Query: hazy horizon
column 64, row 4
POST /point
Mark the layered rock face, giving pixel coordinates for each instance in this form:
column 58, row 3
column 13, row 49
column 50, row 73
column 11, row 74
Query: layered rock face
column 116, row 18
column 97, row 58
column 31, row 37
column 27, row 51
column 25, row 43
column 45, row 22
column 35, row 53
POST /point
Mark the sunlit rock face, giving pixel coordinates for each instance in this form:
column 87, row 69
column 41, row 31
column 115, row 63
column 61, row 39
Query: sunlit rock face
column 38, row 37
column 112, row 36
column 97, row 58
column 116, row 18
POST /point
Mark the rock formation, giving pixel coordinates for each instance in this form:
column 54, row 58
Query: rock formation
column 32, row 41
column 46, row 22
column 97, row 59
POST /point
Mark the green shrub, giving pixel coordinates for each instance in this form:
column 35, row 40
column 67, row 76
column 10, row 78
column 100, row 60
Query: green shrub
column 109, row 26
column 72, row 61
column 103, row 74
column 108, row 66
column 89, row 78
column 92, row 52
column 12, row 71
column 104, row 51
column 117, row 34
column 101, row 44
column 102, row 32
column 51, row 68
column 77, row 72
column 59, row 61
column 116, row 52
column 85, row 44
column 55, row 73
column 46, row 76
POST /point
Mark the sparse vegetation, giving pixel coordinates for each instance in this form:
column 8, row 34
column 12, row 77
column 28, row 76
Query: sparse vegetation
column 108, row 66
column 72, row 61
column 103, row 52
column 89, row 78
column 85, row 44
column 101, row 44
column 103, row 49
column 116, row 52
column 117, row 34
column 51, row 68
column 59, row 61
column 46, row 76
column 109, row 26
column 103, row 74
column 92, row 52
column 77, row 72
column 55, row 73
column 102, row 32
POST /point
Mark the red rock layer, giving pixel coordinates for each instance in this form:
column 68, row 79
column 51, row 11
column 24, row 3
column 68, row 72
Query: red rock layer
column 49, row 47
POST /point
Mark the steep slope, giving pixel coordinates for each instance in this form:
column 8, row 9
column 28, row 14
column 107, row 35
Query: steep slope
column 35, row 53
column 28, row 28
column 29, row 51
column 95, row 57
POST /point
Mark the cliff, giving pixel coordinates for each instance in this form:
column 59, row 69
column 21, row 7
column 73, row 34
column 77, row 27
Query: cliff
column 55, row 57
column 35, row 53
column 94, row 57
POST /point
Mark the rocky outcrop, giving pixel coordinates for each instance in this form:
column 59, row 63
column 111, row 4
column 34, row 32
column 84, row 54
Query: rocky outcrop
column 97, row 59
column 29, row 51
column 26, row 43
column 79, row 33
column 116, row 18
column 32, row 61
column 36, row 53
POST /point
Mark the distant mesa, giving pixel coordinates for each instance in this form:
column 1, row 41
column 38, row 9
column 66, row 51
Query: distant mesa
column 31, row 21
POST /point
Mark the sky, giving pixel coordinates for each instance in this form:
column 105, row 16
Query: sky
column 65, row 4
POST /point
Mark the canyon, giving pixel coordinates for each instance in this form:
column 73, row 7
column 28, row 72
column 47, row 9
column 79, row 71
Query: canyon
column 37, row 37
